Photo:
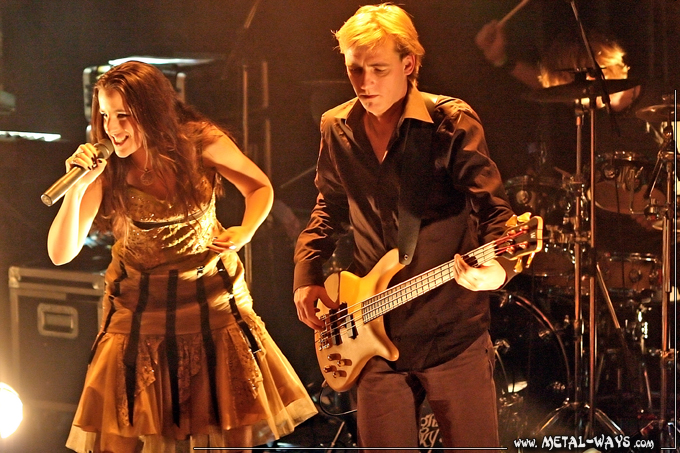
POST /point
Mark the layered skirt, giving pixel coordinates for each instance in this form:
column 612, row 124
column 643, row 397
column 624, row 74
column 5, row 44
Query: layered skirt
column 182, row 359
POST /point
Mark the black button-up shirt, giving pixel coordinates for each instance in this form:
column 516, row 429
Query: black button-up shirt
column 465, row 207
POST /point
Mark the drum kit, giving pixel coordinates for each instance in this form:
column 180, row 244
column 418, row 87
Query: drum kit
column 627, row 295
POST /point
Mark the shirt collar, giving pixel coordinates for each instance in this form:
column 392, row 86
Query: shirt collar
column 415, row 108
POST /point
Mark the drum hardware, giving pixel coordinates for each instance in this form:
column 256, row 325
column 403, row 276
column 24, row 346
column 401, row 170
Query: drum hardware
column 611, row 355
column 511, row 406
column 511, row 412
column 576, row 414
column 665, row 211
column 627, row 356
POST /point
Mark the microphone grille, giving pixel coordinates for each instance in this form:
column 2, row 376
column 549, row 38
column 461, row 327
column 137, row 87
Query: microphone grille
column 105, row 148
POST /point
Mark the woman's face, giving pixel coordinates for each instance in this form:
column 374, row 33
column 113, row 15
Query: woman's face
column 119, row 125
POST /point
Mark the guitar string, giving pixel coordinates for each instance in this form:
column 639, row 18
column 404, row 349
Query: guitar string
column 482, row 255
column 351, row 324
column 486, row 252
column 379, row 298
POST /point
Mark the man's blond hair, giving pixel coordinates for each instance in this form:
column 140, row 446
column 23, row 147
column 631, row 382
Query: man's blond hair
column 372, row 25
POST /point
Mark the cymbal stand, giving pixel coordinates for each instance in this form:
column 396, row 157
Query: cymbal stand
column 667, row 211
column 584, row 242
column 580, row 238
column 595, row 280
column 578, row 407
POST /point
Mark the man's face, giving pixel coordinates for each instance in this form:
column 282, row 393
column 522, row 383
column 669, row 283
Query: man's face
column 379, row 76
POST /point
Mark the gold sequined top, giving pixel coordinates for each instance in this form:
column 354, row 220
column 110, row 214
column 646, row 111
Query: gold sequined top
column 159, row 236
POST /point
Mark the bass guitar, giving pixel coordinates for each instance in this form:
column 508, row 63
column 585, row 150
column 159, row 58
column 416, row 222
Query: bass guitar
column 354, row 332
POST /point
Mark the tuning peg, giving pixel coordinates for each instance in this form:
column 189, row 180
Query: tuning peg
column 518, row 266
column 524, row 218
column 530, row 259
column 512, row 221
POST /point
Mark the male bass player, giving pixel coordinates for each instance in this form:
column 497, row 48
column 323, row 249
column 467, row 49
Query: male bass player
column 409, row 170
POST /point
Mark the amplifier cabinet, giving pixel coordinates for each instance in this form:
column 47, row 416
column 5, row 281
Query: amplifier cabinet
column 55, row 316
column 199, row 81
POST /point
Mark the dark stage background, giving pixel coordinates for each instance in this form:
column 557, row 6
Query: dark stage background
column 46, row 45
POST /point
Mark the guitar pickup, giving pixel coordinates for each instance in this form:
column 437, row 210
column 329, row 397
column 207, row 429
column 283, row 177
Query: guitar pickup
column 335, row 327
column 351, row 327
column 324, row 342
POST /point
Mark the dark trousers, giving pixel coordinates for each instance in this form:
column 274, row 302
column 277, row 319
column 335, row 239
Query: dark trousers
column 461, row 393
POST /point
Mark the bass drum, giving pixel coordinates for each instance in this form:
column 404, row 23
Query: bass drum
column 532, row 367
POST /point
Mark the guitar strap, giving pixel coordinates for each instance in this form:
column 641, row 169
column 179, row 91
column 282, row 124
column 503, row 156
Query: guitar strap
column 415, row 181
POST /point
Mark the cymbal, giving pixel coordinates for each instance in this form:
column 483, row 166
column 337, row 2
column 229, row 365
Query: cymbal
column 580, row 89
column 656, row 113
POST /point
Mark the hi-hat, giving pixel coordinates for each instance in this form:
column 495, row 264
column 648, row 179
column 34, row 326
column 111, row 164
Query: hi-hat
column 656, row 113
column 580, row 89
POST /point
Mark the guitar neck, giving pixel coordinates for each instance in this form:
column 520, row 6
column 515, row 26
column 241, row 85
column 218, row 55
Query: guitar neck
column 408, row 290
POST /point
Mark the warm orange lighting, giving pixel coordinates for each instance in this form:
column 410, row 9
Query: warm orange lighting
column 11, row 410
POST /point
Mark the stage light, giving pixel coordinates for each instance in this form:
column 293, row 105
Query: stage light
column 11, row 410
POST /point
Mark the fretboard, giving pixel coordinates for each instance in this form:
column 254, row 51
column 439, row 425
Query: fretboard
column 408, row 290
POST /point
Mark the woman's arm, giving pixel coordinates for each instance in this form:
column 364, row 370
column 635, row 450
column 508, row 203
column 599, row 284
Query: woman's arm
column 231, row 163
column 79, row 207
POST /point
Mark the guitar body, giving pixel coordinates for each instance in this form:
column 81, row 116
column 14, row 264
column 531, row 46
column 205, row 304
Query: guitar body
column 341, row 361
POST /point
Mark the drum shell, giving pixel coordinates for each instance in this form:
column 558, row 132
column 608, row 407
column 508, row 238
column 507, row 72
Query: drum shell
column 545, row 197
column 548, row 198
column 556, row 258
column 632, row 275
column 621, row 179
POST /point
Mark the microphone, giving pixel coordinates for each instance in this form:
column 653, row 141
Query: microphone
column 63, row 184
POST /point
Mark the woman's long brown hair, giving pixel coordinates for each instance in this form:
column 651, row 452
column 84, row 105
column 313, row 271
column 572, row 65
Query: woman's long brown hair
column 173, row 135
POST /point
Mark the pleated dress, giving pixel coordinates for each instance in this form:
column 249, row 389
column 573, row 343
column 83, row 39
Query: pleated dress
column 181, row 359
